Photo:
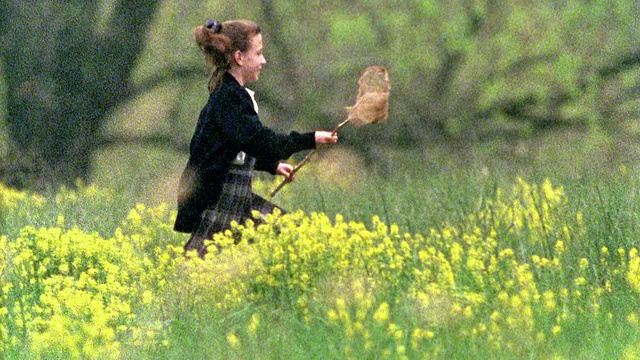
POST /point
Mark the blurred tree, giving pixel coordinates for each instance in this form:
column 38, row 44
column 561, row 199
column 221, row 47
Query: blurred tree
column 462, row 71
column 67, row 66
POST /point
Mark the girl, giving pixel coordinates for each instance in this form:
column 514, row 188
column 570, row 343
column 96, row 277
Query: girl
column 229, row 139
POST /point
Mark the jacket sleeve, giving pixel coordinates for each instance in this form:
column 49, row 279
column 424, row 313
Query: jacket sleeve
column 268, row 166
column 241, row 128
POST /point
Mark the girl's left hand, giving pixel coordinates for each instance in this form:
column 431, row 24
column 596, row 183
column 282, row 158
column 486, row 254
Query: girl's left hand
column 285, row 169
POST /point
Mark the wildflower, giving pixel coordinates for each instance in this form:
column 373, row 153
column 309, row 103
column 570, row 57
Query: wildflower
column 135, row 217
column 401, row 349
column 63, row 268
column 581, row 281
column 559, row 247
column 232, row 340
column 456, row 253
column 147, row 297
column 549, row 300
column 382, row 313
column 252, row 327
column 506, row 254
column 332, row 315
column 495, row 319
column 468, row 312
column 416, row 335
column 535, row 259
column 516, row 301
column 584, row 263
column 503, row 297
column 633, row 272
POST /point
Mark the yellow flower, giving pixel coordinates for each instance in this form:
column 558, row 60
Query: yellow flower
column 581, row 281
column 468, row 312
column 134, row 217
column 549, row 300
column 559, row 247
column 332, row 315
column 232, row 340
column 516, row 301
column 584, row 263
column 64, row 268
column 456, row 253
column 147, row 297
column 506, row 254
column 252, row 327
column 381, row 315
column 503, row 297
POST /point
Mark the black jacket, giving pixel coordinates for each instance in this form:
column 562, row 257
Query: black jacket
column 227, row 125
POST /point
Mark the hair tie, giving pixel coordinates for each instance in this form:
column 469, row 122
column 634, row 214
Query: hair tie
column 214, row 26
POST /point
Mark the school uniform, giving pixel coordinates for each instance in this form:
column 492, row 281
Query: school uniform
column 229, row 142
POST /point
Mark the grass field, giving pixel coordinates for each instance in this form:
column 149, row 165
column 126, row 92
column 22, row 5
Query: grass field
column 448, row 265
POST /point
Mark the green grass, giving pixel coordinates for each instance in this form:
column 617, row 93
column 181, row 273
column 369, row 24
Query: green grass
column 609, row 204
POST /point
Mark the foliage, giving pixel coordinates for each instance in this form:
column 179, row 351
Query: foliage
column 462, row 72
column 517, row 276
column 62, row 79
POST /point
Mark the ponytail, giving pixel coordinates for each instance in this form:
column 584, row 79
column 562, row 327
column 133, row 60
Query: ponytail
column 214, row 45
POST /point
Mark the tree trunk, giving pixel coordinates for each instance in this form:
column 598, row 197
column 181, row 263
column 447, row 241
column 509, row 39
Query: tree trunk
column 63, row 78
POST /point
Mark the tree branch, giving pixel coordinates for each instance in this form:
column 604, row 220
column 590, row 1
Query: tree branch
column 157, row 140
column 620, row 64
column 162, row 77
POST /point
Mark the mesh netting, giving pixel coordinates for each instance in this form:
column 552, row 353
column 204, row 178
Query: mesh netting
column 372, row 104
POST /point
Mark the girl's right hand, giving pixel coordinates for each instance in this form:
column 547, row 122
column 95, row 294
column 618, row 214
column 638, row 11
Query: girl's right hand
column 285, row 170
column 326, row 137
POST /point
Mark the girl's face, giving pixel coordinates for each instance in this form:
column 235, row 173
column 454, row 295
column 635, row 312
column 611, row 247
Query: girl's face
column 252, row 60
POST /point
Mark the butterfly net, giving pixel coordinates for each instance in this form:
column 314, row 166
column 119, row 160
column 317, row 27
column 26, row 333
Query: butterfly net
column 372, row 103
column 371, row 107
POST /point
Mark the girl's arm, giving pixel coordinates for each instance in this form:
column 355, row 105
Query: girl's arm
column 240, row 127
column 321, row 138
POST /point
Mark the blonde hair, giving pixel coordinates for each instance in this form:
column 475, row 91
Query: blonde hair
column 219, row 41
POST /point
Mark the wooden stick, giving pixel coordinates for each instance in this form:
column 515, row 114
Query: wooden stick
column 293, row 171
column 305, row 160
column 335, row 130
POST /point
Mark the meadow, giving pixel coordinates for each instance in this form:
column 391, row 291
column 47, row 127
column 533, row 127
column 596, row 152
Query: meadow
column 450, row 265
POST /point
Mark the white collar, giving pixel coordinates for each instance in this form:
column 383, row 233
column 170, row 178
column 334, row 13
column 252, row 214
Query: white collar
column 252, row 94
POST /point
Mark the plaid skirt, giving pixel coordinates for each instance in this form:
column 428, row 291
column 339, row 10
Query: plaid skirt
column 236, row 203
